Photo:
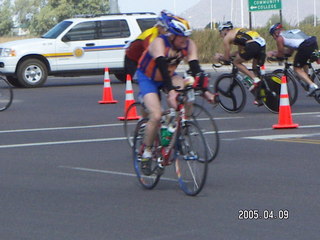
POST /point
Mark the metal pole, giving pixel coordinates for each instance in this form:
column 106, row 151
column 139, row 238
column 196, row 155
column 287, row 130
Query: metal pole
column 298, row 18
column 231, row 11
column 242, row 24
column 315, row 12
column 114, row 6
column 211, row 14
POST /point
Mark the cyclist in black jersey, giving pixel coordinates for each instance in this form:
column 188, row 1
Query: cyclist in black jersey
column 251, row 46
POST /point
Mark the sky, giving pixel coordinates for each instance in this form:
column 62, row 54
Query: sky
column 174, row 6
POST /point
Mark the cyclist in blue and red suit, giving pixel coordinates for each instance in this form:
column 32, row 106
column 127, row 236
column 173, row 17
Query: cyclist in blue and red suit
column 156, row 70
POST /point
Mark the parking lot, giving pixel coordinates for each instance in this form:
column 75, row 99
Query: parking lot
column 66, row 172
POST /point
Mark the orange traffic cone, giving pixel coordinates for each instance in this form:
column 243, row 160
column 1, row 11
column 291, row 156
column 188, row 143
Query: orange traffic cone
column 132, row 115
column 107, row 91
column 285, row 118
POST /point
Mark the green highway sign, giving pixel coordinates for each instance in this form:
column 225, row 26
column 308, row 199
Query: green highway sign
column 261, row 5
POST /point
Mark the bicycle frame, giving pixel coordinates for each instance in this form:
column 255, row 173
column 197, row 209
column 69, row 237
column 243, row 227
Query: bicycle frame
column 232, row 102
column 289, row 72
column 180, row 120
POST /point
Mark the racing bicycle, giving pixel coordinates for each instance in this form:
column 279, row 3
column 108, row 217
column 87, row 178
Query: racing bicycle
column 293, row 78
column 186, row 150
column 231, row 88
column 199, row 114
column 6, row 94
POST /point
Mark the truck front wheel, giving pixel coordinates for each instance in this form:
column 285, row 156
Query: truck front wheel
column 32, row 73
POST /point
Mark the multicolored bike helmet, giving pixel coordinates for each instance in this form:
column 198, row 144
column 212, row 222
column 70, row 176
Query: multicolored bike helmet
column 225, row 25
column 161, row 20
column 275, row 27
column 177, row 25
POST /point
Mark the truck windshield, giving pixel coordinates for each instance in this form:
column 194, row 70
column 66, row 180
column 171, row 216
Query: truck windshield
column 57, row 30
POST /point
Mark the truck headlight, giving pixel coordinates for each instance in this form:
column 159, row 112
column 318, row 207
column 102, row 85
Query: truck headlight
column 7, row 52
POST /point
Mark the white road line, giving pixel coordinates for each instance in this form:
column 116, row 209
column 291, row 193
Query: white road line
column 109, row 172
column 60, row 128
column 306, row 113
column 121, row 124
column 282, row 136
column 124, row 138
column 62, row 142
column 85, row 126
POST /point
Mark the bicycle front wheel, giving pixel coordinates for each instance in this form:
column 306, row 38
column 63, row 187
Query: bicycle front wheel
column 269, row 92
column 205, row 121
column 232, row 94
column 291, row 85
column 147, row 181
column 191, row 161
column 6, row 94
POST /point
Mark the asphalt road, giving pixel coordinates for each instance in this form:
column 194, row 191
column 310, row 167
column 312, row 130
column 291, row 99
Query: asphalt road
column 66, row 173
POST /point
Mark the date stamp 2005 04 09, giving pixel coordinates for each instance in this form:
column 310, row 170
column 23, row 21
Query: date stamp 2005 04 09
column 254, row 214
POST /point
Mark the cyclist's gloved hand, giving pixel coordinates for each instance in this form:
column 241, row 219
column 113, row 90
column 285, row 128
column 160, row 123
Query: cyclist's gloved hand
column 201, row 81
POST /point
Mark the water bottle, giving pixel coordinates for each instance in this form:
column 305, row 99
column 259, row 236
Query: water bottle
column 165, row 135
column 247, row 82
column 167, row 128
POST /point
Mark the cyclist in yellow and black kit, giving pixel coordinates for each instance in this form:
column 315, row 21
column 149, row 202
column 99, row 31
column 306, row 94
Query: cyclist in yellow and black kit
column 250, row 46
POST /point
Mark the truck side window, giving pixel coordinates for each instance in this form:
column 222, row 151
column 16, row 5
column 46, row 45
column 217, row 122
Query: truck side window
column 114, row 29
column 83, row 31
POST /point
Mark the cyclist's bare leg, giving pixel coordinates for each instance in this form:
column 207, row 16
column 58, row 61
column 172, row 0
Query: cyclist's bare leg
column 238, row 61
column 303, row 75
column 153, row 104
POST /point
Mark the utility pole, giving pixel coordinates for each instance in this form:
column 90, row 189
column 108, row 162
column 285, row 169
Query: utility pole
column 298, row 17
column 114, row 7
column 315, row 13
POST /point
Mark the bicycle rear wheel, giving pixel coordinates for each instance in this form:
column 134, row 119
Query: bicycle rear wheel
column 291, row 85
column 269, row 92
column 6, row 94
column 232, row 94
column 191, row 161
column 150, row 181
column 205, row 121
column 129, row 125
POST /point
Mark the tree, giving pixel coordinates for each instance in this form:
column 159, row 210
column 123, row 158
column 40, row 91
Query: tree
column 26, row 9
column 6, row 22
column 49, row 12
